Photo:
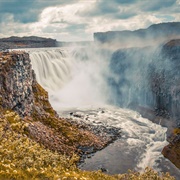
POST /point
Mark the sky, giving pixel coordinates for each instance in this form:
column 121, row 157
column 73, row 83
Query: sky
column 77, row 20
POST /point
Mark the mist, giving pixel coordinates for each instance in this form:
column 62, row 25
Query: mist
column 88, row 85
column 75, row 77
column 94, row 76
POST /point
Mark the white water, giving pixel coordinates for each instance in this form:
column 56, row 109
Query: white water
column 139, row 133
column 52, row 67
column 78, row 84
column 71, row 81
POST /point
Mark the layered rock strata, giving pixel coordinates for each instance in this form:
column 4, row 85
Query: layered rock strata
column 16, row 82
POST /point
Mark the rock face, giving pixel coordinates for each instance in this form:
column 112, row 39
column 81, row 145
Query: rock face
column 165, row 80
column 172, row 151
column 16, row 79
column 26, row 42
column 130, row 85
column 154, row 34
column 148, row 77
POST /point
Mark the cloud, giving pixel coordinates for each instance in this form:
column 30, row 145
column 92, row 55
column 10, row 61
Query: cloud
column 109, row 9
column 125, row 1
column 26, row 11
column 157, row 5
column 69, row 20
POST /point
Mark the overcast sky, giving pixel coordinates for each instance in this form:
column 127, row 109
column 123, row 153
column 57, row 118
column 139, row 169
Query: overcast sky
column 74, row 20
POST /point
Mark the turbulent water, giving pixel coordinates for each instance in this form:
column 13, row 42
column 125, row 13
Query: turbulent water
column 76, row 80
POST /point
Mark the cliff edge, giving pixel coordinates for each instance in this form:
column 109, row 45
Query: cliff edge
column 20, row 93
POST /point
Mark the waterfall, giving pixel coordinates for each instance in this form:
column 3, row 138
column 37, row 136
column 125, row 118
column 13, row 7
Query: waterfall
column 85, row 80
column 52, row 67
column 73, row 77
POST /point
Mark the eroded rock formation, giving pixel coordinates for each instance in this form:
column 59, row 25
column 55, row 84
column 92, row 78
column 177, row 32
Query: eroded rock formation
column 16, row 82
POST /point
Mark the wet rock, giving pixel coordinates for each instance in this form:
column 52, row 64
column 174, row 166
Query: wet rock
column 103, row 169
column 77, row 115
column 172, row 151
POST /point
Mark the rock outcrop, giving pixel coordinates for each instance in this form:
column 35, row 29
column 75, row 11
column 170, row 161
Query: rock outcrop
column 172, row 151
column 16, row 82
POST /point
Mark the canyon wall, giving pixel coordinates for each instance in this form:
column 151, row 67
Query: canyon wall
column 148, row 77
column 148, row 80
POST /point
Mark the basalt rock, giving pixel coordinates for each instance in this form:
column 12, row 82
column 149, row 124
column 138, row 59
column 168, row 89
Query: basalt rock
column 16, row 79
column 148, row 77
column 172, row 151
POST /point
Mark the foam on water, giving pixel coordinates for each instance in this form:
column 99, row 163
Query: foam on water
column 139, row 133
column 140, row 144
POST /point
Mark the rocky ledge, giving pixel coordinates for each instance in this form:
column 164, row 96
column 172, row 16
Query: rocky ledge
column 172, row 151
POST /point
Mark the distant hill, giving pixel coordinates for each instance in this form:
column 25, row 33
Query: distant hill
column 75, row 43
column 26, row 42
column 157, row 33
column 15, row 42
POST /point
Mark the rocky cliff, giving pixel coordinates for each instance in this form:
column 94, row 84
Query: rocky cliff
column 148, row 76
column 16, row 82
column 148, row 79
column 20, row 93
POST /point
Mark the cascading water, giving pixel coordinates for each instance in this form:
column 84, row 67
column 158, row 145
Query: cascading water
column 52, row 67
column 71, row 77
column 78, row 80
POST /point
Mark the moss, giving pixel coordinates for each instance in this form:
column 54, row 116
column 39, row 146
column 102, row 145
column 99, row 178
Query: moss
column 14, row 121
column 41, row 99
column 44, row 113
column 176, row 131
column 23, row 158
column 172, row 151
